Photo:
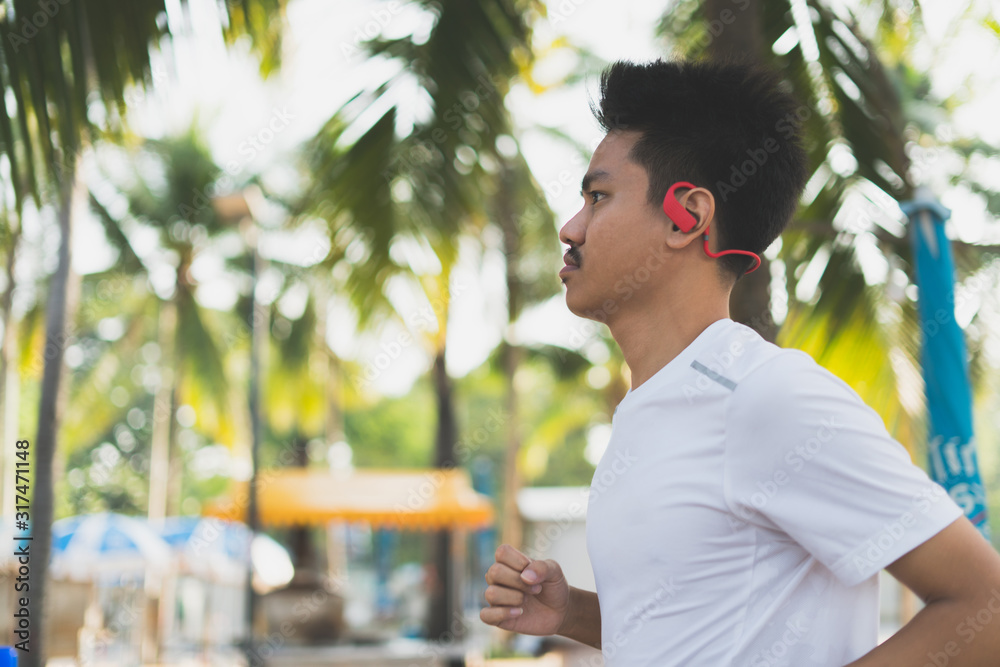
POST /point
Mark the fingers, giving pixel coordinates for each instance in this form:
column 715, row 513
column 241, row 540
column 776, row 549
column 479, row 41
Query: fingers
column 497, row 615
column 514, row 581
column 503, row 596
column 511, row 557
column 537, row 571
column 507, row 568
column 507, row 589
column 531, row 571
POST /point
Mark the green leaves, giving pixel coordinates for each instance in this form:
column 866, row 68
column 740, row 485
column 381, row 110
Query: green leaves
column 59, row 58
column 439, row 179
column 350, row 192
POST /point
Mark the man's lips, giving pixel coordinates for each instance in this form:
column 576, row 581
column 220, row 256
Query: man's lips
column 572, row 260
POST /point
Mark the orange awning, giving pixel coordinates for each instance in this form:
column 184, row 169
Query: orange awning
column 408, row 499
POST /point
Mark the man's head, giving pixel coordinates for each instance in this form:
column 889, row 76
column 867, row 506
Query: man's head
column 726, row 128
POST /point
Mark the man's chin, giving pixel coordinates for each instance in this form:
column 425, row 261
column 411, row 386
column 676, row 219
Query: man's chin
column 583, row 308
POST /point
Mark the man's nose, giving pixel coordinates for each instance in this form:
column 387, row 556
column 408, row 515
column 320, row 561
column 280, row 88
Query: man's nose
column 573, row 232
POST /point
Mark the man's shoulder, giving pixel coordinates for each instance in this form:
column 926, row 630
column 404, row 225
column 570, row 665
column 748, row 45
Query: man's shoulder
column 756, row 370
column 739, row 354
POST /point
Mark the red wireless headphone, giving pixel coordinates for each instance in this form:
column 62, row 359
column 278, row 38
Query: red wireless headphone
column 686, row 222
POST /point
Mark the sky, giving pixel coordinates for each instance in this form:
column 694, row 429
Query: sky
column 255, row 127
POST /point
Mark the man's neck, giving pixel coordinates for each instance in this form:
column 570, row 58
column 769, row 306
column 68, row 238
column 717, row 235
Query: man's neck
column 651, row 338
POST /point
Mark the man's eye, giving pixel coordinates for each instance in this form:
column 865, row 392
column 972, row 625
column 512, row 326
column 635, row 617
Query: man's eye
column 595, row 196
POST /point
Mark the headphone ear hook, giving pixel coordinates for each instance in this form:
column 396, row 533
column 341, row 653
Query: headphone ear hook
column 686, row 222
column 677, row 213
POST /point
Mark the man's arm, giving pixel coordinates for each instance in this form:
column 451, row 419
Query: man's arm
column 583, row 618
column 957, row 575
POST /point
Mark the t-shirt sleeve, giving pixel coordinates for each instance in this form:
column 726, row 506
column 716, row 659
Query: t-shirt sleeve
column 807, row 457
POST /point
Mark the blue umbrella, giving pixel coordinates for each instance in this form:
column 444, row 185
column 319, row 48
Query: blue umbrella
column 220, row 549
column 87, row 546
column 951, row 446
column 199, row 538
column 211, row 548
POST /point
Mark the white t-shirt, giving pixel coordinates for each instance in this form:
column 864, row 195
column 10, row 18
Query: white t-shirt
column 744, row 506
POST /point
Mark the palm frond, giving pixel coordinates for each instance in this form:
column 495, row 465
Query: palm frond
column 53, row 63
column 128, row 261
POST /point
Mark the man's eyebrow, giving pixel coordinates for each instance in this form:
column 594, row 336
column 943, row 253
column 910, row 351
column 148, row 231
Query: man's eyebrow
column 592, row 176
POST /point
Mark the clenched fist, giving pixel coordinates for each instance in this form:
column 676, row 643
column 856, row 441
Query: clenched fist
column 525, row 595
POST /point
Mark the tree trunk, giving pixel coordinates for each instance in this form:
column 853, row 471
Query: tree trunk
column 447, row 430
column 258, row 338
column 750, row 302
column 739, row 38
column 8, row 418
column 163, row 411
column 299, row 536
column 742, row 39
column 511, row 532
column 334, row 422
column 512, row 528
column 441, row 603
column 11, row 379
column 175, row 463
column 59, row 313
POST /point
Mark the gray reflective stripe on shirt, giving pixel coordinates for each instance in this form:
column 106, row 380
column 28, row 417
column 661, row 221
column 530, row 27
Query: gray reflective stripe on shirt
column 708, row 372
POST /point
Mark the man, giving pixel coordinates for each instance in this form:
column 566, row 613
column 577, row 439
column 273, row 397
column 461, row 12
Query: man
column 748, row 498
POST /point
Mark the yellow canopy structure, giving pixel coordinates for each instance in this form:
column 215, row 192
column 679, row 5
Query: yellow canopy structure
column 408, row 499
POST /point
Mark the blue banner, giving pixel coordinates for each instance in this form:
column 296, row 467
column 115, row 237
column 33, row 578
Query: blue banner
column 951, row 446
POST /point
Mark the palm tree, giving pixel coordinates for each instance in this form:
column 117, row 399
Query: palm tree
column 54, row 56
column 528, row 242
column 191, row 353
column 856, row 135
column 299, row 398
column 384, row 193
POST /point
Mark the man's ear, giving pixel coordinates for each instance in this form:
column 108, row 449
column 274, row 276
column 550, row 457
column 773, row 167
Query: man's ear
column 700, row 203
